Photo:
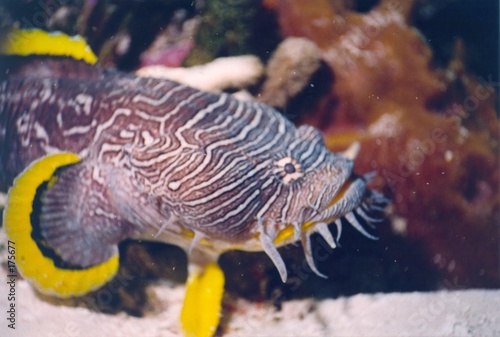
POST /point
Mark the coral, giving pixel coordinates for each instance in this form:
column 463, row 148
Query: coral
column 289, row 70
column 430, row 133
column 236, row 72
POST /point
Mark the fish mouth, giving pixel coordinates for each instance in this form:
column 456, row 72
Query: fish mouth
column 348, row 184
column 356, row 203
column 353, row 203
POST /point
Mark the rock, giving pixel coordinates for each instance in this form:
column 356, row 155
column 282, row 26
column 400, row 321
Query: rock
column 289, row 70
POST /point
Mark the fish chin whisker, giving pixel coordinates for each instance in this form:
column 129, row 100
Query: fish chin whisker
column 322, row 229
column 196, row 239
column 378, row 199
column 306, row 245
column 370, row 220
column 163, row 226
column 297, row 230
column 338, row 224
column 351, row 218
column 267, row 243
column 369, row 208
column 367, row 214
column 372, row 209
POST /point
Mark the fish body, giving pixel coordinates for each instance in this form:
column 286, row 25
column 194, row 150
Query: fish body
column 173, row 159
column 154, row 159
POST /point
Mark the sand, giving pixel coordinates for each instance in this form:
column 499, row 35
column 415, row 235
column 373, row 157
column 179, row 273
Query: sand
column 442, row 313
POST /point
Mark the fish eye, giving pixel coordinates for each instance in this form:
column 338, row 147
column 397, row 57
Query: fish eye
column 288, row 169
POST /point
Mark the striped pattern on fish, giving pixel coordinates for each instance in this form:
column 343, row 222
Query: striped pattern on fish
column 92, row 157
column 164, row 161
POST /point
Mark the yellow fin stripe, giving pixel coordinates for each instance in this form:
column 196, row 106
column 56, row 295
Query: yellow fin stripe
column 201, row 311
column 287, row 232
column 284, row 235
column 30, row 261
column 39, row 42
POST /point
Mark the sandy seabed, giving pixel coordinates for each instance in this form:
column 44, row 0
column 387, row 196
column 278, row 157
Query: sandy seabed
column 442, row 313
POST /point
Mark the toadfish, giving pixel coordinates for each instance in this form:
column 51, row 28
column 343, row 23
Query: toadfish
column 96, row 156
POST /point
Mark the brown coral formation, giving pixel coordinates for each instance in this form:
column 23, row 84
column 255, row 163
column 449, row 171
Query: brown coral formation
column 431, row 134
column 289, row 70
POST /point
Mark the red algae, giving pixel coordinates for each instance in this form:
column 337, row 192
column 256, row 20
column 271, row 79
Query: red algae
column 430, row 133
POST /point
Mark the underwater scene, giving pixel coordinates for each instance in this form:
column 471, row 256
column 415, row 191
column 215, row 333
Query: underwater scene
column 248, row 168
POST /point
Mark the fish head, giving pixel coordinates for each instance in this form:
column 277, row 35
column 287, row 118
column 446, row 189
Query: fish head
column 309, row 179
column 313, row 187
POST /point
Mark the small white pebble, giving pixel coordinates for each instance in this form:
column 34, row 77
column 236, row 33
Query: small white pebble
column 399, row 225
column 448, row 156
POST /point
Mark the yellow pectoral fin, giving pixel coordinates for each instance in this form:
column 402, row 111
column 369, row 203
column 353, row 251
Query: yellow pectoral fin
column 39, row 269
column 201, row 311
